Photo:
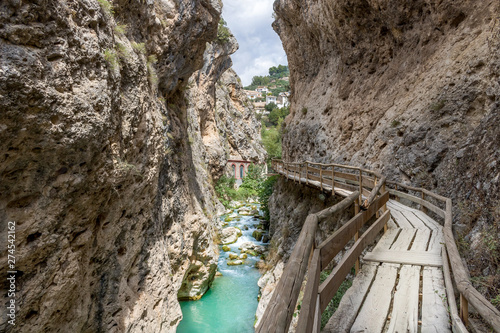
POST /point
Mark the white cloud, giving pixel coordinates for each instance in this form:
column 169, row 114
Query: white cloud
column 260, row 47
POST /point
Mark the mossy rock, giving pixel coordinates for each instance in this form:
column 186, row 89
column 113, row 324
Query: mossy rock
column 240, row 233
column 260, row 227
column 226, row 248
column 233, row 256
column 257, row 235
column 243, row 256
column 228, row 219
column 235, row 263
column 218, row 273
column 251, row 252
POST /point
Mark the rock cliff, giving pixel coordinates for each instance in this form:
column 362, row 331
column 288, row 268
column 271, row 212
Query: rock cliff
column 407, row 87
column 103, row 165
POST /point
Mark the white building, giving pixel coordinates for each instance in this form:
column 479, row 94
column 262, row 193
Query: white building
column 282, row 101
column 253, row 94
column 270, row 99
column 262, row 89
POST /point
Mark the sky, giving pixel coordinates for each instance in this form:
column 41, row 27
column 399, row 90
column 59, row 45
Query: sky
column 260, row 47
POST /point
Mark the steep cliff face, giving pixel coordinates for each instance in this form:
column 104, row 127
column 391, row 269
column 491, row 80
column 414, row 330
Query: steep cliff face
column 408, row 87
column 100, row 166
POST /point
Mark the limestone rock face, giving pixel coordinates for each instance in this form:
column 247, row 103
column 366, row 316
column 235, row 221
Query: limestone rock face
column 407, row 87
column 101, row 169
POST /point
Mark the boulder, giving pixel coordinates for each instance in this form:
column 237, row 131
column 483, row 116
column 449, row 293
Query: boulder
column 226, row 248
column 233, row 256
column 235, row 262
column 257, row 234
column 230, row 235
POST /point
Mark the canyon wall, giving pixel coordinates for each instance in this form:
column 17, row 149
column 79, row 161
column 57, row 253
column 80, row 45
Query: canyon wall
column 410, row 88
column 105, row 168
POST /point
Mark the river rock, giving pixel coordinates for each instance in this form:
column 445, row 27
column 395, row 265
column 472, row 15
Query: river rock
column 230, row 235
column 243, row 256
column 249, row 246
column 235, row 262
column 257, row 234
column 233, row 256
column 226, row 248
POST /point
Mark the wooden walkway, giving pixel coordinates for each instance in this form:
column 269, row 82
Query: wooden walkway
column 405, row 282
column 400, row 287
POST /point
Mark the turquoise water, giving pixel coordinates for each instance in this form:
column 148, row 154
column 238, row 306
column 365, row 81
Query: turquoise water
column 229, row 305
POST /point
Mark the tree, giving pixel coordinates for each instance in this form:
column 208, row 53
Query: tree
column 270, row 106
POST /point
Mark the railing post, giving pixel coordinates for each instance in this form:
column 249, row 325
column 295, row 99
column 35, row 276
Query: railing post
column 397, row 197
column 422, row 208
column 333, row 179
column 384, row 207
column 377, row 214
column 307, row 173
column 321, row 178
column 360, row 187
column 356, row 235
column 464, row 310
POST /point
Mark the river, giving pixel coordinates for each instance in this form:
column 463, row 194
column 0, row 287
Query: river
column 229, row 305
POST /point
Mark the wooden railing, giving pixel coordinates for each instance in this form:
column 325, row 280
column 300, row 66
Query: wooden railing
column 368, row 193
column 451, row 257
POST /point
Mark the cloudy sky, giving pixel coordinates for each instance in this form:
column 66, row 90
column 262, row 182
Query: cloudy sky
column 260, row 47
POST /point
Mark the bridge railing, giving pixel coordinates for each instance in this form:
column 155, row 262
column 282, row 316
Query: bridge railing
column 442, row 208
column 369, row 198
column 367, row 192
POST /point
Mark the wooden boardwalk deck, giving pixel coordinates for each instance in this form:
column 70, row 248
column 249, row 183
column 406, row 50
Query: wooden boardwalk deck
column 400, row 286
column 405, row 282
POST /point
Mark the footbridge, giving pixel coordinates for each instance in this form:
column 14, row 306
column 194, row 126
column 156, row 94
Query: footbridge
column 411, row 273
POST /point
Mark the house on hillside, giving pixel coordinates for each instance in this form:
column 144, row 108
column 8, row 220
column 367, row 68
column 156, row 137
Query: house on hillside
column 262, row 89
column 282, row 100
column 253, row 94
column 260, row 107
column 270, row 99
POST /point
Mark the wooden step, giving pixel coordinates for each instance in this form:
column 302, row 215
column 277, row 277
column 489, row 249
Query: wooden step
column 422, row 258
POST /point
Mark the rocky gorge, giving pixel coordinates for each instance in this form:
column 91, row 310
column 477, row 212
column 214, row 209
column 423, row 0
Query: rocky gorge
column 113, row 119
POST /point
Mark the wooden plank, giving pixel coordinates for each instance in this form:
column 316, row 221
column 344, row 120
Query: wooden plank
column 342, row 320
column 404, row 316
column 415, row 221
column 346, row 176
column 308, row 310
column 387, row 239
column 331, row 246
column 279, row 312
column 330, row 286
column 404, row 239
column 419, row 201
column 374, row 311
column 421, row 240
column 312, row 177
column 401, row 220
column 423, row 258
column 435, row 317
column 391, row 224
column 312, row 169
column 436, row 242
column 399, row 206
column 424, row 217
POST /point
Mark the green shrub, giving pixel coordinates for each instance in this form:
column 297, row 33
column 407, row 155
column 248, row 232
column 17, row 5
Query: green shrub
column 265, row 191
column 223, row 32
column 122, row 51
column 120, row 29
column 139, row 48
column 225, row 190
column 395, row 123
column 107, row 7
column 334, row 303
column 111, row 58
column 152, row 76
